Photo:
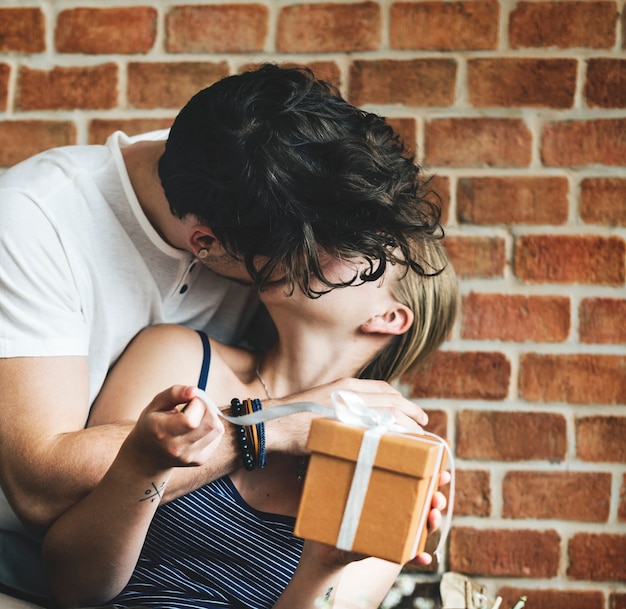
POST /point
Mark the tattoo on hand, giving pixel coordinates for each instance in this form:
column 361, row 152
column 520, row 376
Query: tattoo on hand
column 153, row 493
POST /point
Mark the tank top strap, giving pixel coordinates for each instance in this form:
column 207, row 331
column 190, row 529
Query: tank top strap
column 206, row 360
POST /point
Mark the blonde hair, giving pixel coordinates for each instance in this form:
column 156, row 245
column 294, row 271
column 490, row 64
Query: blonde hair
column 433, row 299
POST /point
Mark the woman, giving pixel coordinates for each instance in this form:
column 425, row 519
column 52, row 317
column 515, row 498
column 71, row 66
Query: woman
column 192, row 556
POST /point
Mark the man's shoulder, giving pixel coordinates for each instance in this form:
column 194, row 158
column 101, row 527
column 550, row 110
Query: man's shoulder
column 54, row 164
column 153, row 136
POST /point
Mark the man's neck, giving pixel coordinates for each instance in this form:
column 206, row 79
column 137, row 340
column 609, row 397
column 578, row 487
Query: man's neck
column 141, row 161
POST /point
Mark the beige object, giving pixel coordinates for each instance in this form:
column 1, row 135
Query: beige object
column 460, row 592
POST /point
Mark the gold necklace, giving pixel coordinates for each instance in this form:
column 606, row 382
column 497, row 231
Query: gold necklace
column 260, row 377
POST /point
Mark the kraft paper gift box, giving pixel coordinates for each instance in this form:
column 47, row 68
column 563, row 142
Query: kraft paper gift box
column 392, row 523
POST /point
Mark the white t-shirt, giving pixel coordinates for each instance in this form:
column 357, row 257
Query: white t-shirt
column 82, row 271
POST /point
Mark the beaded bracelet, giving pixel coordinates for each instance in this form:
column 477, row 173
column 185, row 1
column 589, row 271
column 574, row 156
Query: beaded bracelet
column 242, row 437
column 260, row 427
column 252, row 431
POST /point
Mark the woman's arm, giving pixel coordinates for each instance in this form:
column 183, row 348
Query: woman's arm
column 343, row 580
column 92, row 549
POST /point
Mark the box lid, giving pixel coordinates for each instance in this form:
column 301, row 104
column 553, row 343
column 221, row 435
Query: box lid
column 412, row 454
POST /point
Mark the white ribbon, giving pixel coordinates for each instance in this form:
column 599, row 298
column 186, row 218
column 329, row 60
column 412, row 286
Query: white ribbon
column 350, row 409
column 358, row 488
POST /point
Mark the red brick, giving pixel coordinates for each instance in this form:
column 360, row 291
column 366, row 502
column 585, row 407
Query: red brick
column 601, row 438
column 549, row 83
column 597, row 557
column 476, row 257
column 473, row 493
column 617, row 600
column 441, row 186
column 512, row 200
column 605, row 86
column 326, row 70
column 406, row 128
column 110, row 30
column 582, row 496
column 572, row 143
column 225, row 28
column 580, row 24
column 515, row 317
column 552, row 599
column 22, row 139
column 5, row 73
column 437, row 422
column 621, row 510
column 578, row 379
column 570, row 259
column 477, row 375
column 511, row 436
column 603, row 201
column 514, row 553
column 329, row 28
column 170, row 85
column 100, row 129
column 22, row 30
column 476, row 142
column 414, row 82
column 89, row 88
column 601, row 320
column 443, row 26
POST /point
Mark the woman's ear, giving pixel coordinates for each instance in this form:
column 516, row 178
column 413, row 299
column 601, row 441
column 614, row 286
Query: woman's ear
column 396, row 320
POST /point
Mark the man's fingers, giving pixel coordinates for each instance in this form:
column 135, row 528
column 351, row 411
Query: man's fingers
column 192, row 413
column 366, row 386
column 172, row 397
column 379, row 394
column 406, row 412
column 196, row 420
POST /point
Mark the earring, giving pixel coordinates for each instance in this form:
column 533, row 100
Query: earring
column 203, row 253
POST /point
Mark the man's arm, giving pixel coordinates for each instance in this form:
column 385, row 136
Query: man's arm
column 44, row 401
column 48, row 461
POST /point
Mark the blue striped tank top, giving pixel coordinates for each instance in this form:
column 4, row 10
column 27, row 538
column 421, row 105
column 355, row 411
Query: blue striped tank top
column 209, row 549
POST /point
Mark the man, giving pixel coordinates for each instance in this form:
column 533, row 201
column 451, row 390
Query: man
column 263, row 177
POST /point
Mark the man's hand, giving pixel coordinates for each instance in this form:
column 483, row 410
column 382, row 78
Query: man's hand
column 176, row 429
column 289, row 434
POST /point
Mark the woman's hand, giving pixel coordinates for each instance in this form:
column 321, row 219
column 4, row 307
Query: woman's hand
column 438, row 504
column 331, row 557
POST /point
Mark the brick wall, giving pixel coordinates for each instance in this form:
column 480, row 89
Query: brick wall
column 520, row 110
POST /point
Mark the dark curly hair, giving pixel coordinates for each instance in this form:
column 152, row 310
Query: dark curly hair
column 281, row 167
